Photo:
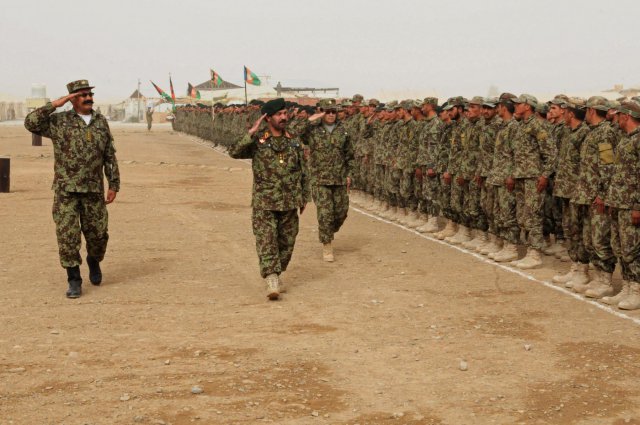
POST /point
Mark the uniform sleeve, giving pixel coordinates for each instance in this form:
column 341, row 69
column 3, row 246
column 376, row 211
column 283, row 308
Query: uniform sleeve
column 605, row 159
column 111, row 170
column 548, row 152
column 306, row 185
column 349, row 156
column 39, row 121
column 244, row 148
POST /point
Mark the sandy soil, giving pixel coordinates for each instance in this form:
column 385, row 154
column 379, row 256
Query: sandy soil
column 375, row 338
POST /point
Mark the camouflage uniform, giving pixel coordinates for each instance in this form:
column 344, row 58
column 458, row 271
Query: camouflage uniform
column 596, row 163
column 83, row 156
column 429, row 146
column 442, row 164
column 393, row 173
column 331, row 161
column 280, row 187
column 469, row 170
column 623, row 195
column 406, row 163
column 504, row 208
column 564, row 189
column 458, row 143
column 485, row 159
column 535, row 154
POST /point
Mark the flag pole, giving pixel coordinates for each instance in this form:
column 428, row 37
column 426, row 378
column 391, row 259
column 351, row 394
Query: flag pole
column 245, row 85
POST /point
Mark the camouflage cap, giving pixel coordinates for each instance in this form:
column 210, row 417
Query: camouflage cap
column 329, row 104
column 346, row 102
column 630, row 108
column 476, row 100
column 430, row 101
column 417, row 103
column 636, row 98
column 390, row 106
column 407, row 104
column 613, row 104
column 74, row 86
column 451, row 102
column 575, row 103
column 598, row 102
column 373, row 102
column 506, row 97
column 528, row 99
column 490, row 102
column 559, row 99
column 357, row 98
column 542, row 108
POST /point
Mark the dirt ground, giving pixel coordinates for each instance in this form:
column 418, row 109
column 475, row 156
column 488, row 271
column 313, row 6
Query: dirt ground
column 377, row 337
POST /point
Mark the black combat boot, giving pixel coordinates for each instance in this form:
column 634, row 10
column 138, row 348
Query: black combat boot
column 95, row 274
column 75, row 282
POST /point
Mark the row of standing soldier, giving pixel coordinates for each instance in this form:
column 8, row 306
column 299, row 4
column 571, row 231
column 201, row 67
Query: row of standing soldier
column 560, row 177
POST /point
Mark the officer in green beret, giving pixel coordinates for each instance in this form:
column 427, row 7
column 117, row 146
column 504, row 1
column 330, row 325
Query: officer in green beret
column 280, row 189
column 83, row 155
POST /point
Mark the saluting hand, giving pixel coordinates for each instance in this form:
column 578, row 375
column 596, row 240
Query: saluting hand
column 256, row 125
column 64, row 99
column 316, row 116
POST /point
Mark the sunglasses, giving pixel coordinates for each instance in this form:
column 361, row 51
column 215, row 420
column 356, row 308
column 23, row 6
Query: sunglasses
column 88, row 94
column 332, row 111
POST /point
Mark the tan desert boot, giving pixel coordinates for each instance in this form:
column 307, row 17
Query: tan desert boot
column 631, row 301
column 580, row 279
column 494, row 246
column 531, row 260
column 479, row 239
column 508, row 253
column 624, row 292
column 273, row 291
column 327, row 252
column 449, row 230
column 564, row 278
column 604, row 287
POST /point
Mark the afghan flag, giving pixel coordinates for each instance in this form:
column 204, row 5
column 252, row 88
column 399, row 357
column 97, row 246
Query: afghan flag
column 216, row 81
column 162, row 93
column 173, row 95
column 250, row 77
column 193, row 92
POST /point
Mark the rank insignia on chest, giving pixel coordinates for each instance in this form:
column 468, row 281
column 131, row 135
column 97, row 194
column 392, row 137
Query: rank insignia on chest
column 89, row 136
column 264, row 137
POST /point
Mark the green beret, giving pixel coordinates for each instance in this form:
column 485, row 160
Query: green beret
column 273, row 106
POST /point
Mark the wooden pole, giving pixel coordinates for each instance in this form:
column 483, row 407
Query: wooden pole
column 36, row 139
column 5, row 175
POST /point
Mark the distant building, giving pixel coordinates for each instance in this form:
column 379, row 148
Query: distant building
column 134, row 107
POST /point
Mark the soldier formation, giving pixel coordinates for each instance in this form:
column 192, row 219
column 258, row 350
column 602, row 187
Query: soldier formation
column 561, row 178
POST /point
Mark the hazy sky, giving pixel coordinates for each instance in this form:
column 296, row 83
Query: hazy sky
column 371, row 47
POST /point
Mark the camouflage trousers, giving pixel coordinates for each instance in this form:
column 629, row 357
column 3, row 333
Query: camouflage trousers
column 76, row 214
column 504, row 215
column 458, row 194
column 598, row 241
column 332, row 203
column 358, row 173
column 275, row 233
column 487, row 202
column 552, row 213
column 575, row 219
column 430, row 199
column 407, row 190
column 529, row 211
column 473, row 207
column 625, row 240
column 378, row 186
column 392, row 185
column 368, row 176
column 444, row 199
